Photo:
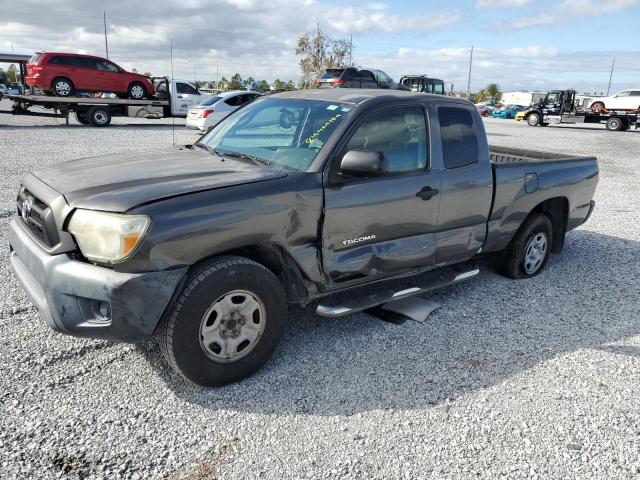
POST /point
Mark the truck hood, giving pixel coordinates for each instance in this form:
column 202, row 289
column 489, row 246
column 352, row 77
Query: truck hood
column 119, row 182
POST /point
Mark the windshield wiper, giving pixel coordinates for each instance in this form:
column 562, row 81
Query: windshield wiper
column 243, row 156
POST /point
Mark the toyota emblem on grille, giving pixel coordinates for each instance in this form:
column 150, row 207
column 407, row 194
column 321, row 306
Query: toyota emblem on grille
column 25, row 211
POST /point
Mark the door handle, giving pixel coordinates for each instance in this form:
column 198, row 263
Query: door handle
column 427, row 192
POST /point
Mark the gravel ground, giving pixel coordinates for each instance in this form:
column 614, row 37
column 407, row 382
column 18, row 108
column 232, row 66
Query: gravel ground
column 527, row 379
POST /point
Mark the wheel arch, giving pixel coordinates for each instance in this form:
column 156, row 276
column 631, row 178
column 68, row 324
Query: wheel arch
column 557, row 210
column 277, row 261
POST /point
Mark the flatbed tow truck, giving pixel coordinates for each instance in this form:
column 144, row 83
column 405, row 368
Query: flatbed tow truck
column 558, row 106
column 98, row 111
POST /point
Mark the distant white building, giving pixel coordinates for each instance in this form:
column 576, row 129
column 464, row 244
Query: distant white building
column 521, row 98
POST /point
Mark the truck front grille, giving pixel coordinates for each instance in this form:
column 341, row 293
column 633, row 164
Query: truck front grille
column 38, row 218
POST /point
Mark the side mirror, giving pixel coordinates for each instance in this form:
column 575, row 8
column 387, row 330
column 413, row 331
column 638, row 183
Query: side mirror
column 364, row 163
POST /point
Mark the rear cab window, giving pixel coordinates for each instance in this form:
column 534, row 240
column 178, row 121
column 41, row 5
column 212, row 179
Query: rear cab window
column 460, row 146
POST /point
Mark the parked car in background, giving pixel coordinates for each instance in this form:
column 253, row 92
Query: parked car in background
column 14, row 89
column 64, row 74
column 3, row 88
column 423, row 83
column 624, row 100
column 351, row 77
column 486, row 110
column 520, row 115
column 214, row 108
column 508, row 111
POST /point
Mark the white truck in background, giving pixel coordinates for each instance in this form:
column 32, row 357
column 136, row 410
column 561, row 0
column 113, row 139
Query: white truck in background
column 172, row 99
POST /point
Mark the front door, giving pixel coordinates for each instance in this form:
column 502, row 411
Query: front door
column 187, row 96
column 383, row 224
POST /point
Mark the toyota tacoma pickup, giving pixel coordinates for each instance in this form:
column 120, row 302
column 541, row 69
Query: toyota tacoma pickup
column 341, row 199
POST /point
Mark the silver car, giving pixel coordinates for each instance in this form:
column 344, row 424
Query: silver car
column 213, row 109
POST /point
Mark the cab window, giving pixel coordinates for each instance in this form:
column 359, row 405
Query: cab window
column 185, row 88
column 399, row 133
column 459, row 139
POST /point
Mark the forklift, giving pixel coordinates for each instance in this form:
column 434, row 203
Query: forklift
column 559, row 106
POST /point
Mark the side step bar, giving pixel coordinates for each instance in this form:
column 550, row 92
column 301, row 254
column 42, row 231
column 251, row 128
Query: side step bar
column 349, row 302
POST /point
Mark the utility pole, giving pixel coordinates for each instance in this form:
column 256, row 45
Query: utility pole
column 350, row 48
column 469, row 78
column 217, row 72
column 611, row 75
column 104, row 21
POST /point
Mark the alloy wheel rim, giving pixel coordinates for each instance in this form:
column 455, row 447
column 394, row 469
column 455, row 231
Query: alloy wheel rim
column 232, row 326
column 63, row 88
column 137, row 91
column 534, row 253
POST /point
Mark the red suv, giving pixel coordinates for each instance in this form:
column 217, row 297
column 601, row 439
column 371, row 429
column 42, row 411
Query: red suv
column 65, row 73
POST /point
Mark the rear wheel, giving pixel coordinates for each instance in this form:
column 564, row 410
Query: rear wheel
column 529, row 251
column 99, row 116
column 62, row 87
column 226, row 323
column 615, row 124
column 137, row 91
column 533, row 119
column 597, row 106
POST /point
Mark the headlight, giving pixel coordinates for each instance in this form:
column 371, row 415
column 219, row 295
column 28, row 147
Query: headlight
column 107, row 237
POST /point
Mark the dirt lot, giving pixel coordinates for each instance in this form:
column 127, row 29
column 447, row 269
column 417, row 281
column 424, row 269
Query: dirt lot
column 527, row 379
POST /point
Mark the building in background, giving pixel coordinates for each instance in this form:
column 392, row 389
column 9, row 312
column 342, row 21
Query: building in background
column 522, row 97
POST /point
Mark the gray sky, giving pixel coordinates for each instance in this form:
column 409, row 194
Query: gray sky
column 521, row 44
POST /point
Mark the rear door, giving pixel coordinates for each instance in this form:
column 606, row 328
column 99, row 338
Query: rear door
column 383, row 224
column 467, row 181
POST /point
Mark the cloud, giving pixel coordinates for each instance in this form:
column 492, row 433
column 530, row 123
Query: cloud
column 501, row 3
column 532, row 51
column 570, row 9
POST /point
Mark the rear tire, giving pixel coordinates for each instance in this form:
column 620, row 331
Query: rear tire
column 615, row 124
column 137, row 91
column 528, row 253
column 200, row 336
column 62, row 87
column 99, row 116
column 597, row 106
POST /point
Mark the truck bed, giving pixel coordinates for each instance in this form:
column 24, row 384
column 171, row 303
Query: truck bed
column 499, row 155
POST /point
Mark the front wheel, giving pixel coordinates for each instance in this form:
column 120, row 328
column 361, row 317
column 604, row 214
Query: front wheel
column 226, row 323
column 529, row 251
column 137, row 91
column 533, row 119
column 597, row 106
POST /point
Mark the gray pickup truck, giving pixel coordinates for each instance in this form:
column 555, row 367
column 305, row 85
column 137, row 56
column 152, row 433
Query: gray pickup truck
column 343, row 199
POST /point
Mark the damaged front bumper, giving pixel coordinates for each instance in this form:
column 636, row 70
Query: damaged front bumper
column 85, row 300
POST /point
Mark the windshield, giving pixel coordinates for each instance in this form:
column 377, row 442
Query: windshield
column 280, row 131
column 332, row 73
column 209, row 101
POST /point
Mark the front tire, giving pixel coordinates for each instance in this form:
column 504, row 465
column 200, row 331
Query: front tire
column 533, row 119
column 597, row 106
column 226, row 323
column 529, row 251
column 137, row 91
column 62, row 87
